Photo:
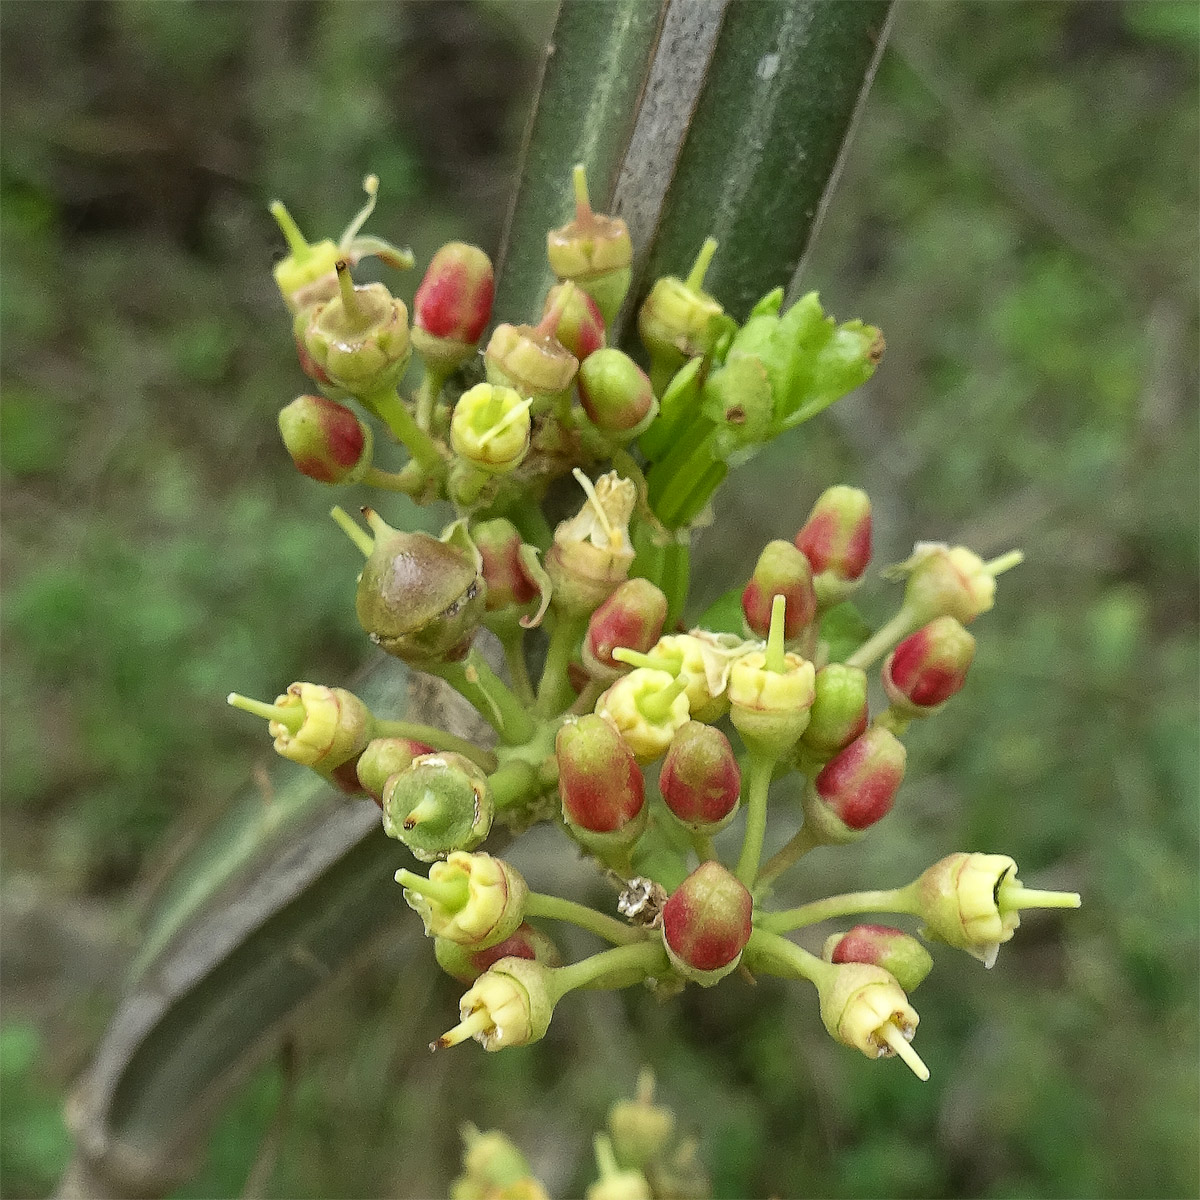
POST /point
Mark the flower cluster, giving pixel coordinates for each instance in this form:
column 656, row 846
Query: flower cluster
column 763, row 688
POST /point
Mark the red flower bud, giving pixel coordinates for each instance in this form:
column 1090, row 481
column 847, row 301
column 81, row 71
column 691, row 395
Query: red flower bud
column 599, row 781
column 454, row 301
column 839, row 712
column 574, row 319
column 326, row 440
column 898, row 953
column 466, row 965
column 616, row 393
column 782, row 570
column 700, row 780
column 836, row 539
column 508, row 580
column 856, row 788
column 928, row 667
column 706, row 923
column 631, row 617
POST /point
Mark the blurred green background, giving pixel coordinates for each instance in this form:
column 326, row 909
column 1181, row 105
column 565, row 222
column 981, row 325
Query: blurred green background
column 1018, row 213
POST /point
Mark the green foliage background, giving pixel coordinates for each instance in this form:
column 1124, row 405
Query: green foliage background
column 1018, row 213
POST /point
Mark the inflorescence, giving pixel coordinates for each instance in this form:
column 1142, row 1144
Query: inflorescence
column 624, row 685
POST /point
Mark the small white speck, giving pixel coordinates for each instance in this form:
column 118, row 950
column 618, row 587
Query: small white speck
column 767, row 66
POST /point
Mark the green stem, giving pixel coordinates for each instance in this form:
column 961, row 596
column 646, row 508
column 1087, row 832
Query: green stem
column 894, row 720
column 428, row 391
column 774, row 955
column 512, row 783
column 554, row 688
column 889, row 900
column 389, row 481
column 677, row 567
column 555, row 908
column 477, row 683
column 691, row 476
column 757, row 783
column 703, row 845
column 695, row 280
column 787, row 857
column 513, row 644
column 394, row 413
column 610, row 968
column 883, row 639
column 439, row 739
column 700, row 495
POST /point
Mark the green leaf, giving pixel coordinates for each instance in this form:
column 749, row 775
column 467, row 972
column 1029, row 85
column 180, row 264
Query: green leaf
column 844, row 629
column 724, row 615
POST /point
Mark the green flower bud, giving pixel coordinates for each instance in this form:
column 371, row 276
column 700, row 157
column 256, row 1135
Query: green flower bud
column 316, row 726
column 946, row 581
column 770, row 708
column 475, row 900
column 530, row 359
column 440, row 803
column 641, row 1130
column 420, row 599
column 510, row 1004
column 839, row 709
column 591, row 553
column 383, row 758
column 360, row 337
column 491, row 428
column 678, row 320
column 864, row 1007
column 594, row 251
column 576, row 321
column 616, row 394
column 973, row 902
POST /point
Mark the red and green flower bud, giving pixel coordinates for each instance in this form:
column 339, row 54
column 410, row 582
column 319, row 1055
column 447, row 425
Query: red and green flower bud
column 345, row 778
column 700, row 780
column 491, row 427
column 973, row 902
column 360, row 339
column 836, row 540
column 839, row 710
column 599, row 782
column 510, row 1004
column 781, row 571
column 678, row 320
column 510, row 582
column 864, row 1007
column 420, row 599
column 440, row 803
column 855, row 788
column 706, row 923
column 631, row 618
column 316, row 726
column 898, row 953
column 640, row 1129
column 466, row 964
column 308, row 364
column 326, row 440
column 646, row 707
column 576, row 320
column 616, row 394
column 472, row 899
column 383, row 758
column 928, row 667
column 591, row 553
column 593, row 250
column 945, row 581
column 453, row 305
